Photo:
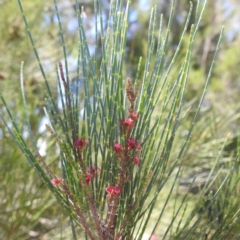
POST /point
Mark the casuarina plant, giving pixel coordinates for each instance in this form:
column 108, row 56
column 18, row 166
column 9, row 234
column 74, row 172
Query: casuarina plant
column 116, row 134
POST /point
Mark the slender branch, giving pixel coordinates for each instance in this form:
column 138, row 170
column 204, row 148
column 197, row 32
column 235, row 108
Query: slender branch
column 112, row 215
column 95, row 217
column 44, row 164
column 78, row 212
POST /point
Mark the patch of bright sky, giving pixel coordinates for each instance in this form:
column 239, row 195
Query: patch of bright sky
column 234, row 24
column 133, row 15
column 144, row 5
column 72, row 25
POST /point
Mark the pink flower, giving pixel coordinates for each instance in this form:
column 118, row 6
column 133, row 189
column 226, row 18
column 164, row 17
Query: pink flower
column 134, row 115
column 93, row 171
column 88, row 178
column 117, row 147
column 136, row 160
column 131, row 143
column 56, row 181
column 113, row 191
column 129, row 122
column 80, row 143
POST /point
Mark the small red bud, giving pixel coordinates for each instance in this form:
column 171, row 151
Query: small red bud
column 56, row 181
column 129, row 122
column 136, row 160
column 80, row 143
column 134, row 115
column 117, row 147
column 113, row 191
column 131, row 143
column 88, row 178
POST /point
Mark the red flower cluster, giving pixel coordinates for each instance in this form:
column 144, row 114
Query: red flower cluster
column 134, row 115
column 88, row 178
column 80, row 143
column 92, row 172
column 117, row 147
column 123, row 152
column 113, row 191
column 56, row 181
column 129, row 122
column 131, row 143
column 136, row 160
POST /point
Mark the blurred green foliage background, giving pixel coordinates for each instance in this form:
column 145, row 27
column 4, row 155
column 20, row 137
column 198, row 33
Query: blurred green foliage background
column 27, row 210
